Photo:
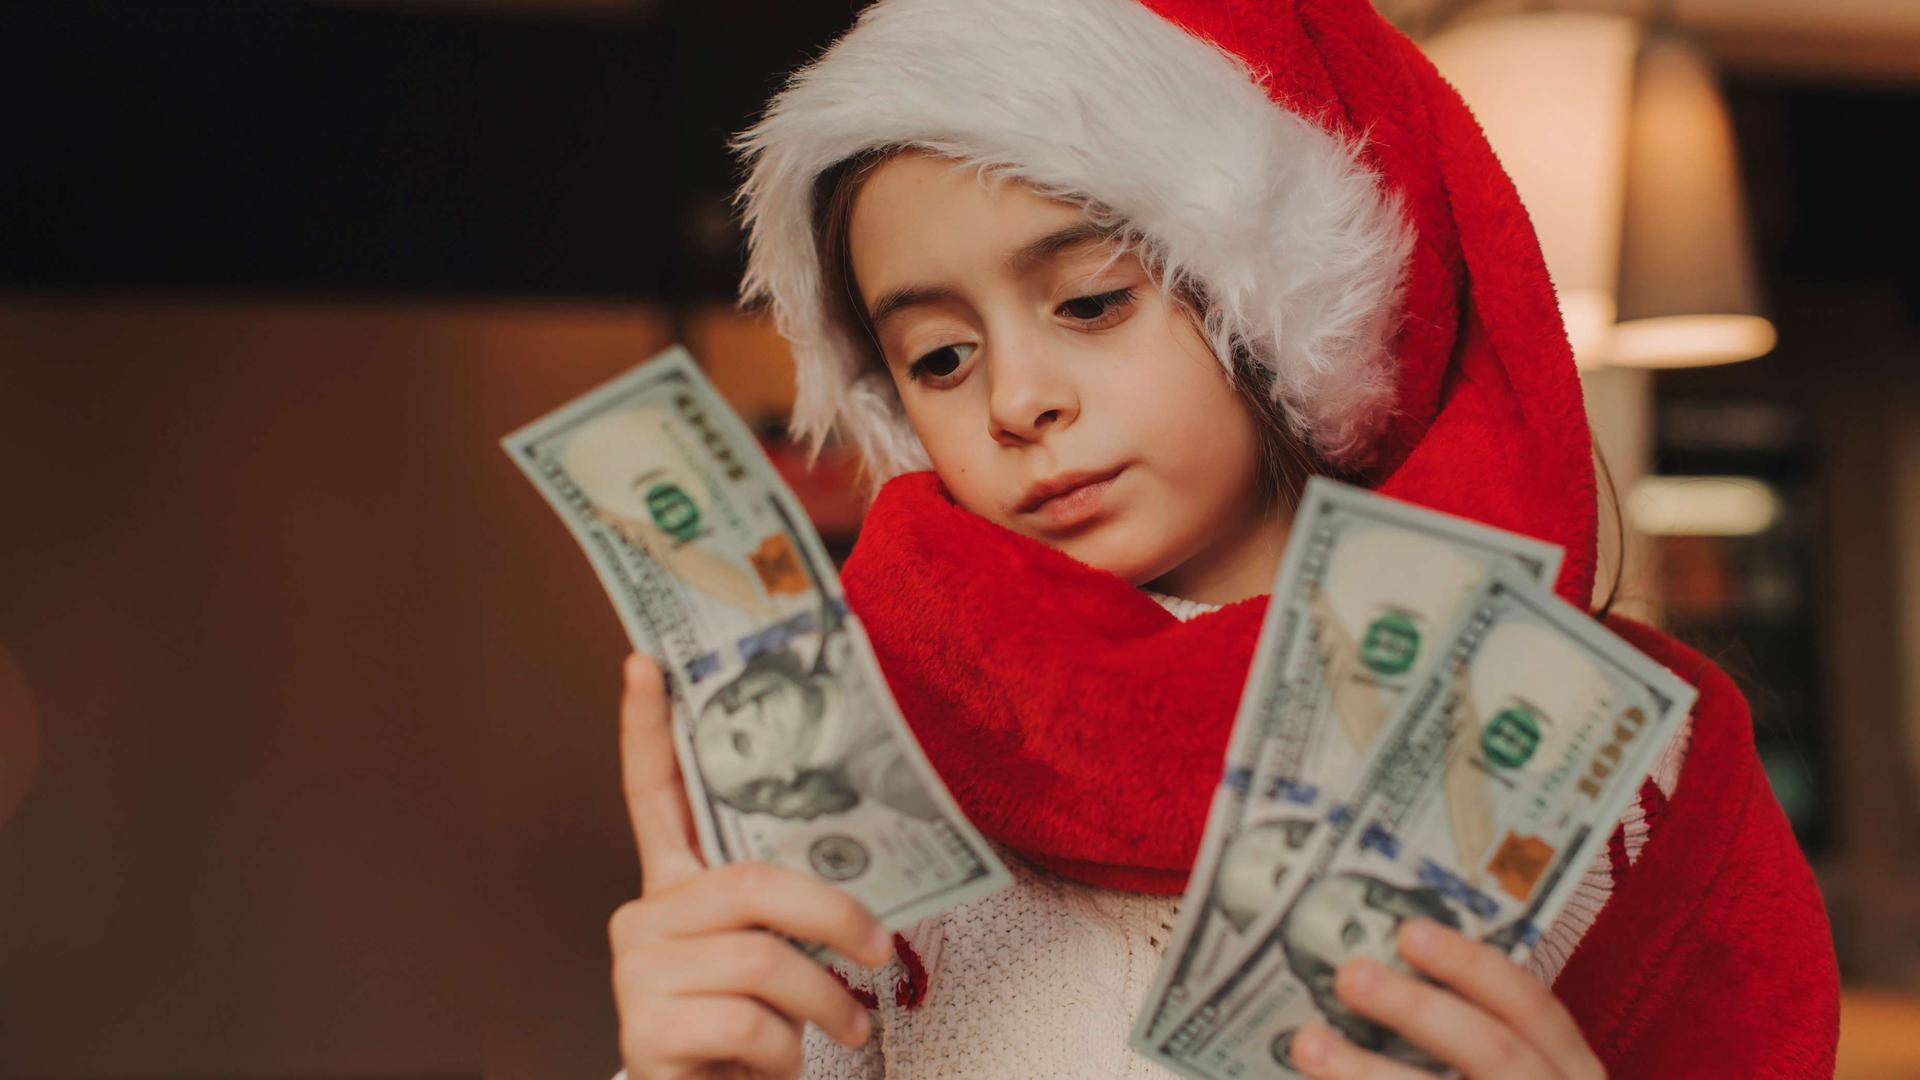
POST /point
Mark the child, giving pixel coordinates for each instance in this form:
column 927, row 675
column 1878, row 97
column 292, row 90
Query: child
column 1092, row 285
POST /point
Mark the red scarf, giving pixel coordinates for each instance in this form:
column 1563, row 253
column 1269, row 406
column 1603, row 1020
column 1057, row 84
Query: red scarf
column 1075, row 719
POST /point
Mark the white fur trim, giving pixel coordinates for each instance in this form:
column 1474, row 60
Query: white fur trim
column 1299, row 245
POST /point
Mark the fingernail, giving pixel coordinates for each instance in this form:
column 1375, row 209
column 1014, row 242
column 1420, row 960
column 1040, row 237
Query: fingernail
column 1311, row 1047
column 862, row 1028
column 881, row 946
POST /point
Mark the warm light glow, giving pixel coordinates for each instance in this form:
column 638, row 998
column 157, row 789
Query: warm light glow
column 1702, row 506
column 1691, row 340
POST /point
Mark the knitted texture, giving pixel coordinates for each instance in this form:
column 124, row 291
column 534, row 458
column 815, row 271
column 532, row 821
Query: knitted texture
column 1040, row 979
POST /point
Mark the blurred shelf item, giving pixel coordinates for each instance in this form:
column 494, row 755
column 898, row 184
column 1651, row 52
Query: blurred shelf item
column 1732, row 509
column 1735, row 426
column 1702, row 506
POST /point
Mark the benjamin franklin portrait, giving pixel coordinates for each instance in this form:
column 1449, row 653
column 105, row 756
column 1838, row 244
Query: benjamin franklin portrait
column 781, row 739
column 1347, row 915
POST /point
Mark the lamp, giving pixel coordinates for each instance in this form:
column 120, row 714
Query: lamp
column 1622, row 151
column 1689, row 293
column 1553, row 91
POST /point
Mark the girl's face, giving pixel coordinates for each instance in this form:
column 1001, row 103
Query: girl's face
column 1057, row 392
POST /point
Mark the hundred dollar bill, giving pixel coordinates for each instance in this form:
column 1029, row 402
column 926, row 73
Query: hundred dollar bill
column 791, row 747
column 1367, row 585
column 1513, row 756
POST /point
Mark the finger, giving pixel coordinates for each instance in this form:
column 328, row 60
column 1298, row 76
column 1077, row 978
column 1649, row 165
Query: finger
column 754, row 963
column 1486, row 977
column 650, row 776
column 1441, row 1023
column 700, row 1030
column 1319, row 1052
column 748, row 895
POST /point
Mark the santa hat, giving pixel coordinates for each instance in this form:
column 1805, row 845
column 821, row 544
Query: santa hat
column 1300, row 159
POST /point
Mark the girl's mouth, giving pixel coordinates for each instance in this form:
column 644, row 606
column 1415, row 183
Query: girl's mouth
column 1069, row 500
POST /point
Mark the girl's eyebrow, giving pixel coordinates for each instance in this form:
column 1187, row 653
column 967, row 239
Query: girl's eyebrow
column 1019, row 261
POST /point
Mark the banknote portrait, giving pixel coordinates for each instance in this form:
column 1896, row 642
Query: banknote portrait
column 1352, row 914
column 1251, row 866
column 780, row 739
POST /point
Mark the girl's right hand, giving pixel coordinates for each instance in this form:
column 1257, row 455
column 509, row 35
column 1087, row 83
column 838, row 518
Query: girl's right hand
column 702, row 988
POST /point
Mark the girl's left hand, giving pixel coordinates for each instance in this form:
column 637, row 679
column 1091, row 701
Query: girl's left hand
column 1493, row 1019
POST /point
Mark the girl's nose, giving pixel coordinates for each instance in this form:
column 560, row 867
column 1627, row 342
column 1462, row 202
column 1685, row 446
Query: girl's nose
column 1029, row 395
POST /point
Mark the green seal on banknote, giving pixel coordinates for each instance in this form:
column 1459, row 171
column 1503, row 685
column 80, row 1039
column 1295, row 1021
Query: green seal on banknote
column 1391, row 643
column 1511, row 737
column 674, row 511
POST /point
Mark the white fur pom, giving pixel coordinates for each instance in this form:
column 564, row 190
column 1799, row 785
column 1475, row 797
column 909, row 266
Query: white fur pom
column 1299, row 247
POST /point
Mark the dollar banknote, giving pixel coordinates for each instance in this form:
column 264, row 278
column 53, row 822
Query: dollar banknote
column 1367, row 585
column 791, row 747
column 1513, row 755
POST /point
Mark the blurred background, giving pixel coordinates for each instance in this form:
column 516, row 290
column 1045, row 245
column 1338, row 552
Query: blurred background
column 306, row 700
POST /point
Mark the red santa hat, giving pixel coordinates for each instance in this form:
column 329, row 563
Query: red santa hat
column 1300, row 159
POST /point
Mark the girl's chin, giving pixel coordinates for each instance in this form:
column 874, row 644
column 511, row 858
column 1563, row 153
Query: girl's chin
column 1132, row 563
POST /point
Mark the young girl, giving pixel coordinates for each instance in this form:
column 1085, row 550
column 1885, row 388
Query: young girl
column 1092, row 285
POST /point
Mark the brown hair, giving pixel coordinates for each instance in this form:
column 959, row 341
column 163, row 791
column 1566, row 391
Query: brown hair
column 1286, row 461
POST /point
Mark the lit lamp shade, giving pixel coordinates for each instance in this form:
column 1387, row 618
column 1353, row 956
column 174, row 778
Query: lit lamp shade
column 1688, row 290
column 1553, row 92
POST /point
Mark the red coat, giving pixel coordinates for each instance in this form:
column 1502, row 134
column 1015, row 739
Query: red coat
column 1713, row 956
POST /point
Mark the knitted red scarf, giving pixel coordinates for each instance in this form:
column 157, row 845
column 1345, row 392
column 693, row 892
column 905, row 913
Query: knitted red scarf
column 1075, row 719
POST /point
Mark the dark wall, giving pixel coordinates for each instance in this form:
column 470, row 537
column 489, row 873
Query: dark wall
column 277, row 146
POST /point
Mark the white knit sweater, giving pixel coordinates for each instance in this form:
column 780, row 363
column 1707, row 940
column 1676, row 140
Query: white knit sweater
column 1044, row 977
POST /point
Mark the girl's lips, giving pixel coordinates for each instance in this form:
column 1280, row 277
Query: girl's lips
column 1077, row 505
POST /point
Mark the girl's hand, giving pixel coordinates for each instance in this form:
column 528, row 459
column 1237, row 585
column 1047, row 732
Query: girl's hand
column 1498, row 1021
column 702, row 989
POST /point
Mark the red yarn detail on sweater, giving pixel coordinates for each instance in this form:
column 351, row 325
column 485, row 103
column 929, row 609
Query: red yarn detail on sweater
column 910, row 990
column 1617, row 861
column 1653, row 803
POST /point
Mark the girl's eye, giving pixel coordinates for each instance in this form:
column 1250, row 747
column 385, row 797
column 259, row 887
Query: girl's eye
column 944, row 362
column 939, row 363
column 1089, row 308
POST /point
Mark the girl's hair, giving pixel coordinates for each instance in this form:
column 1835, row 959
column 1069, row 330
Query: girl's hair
column 1286, row 461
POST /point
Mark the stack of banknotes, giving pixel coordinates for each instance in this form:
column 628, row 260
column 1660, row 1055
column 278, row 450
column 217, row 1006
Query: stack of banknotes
column 1426, row 729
